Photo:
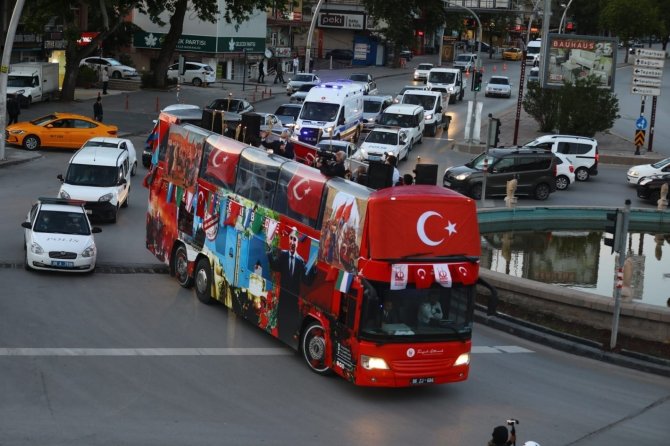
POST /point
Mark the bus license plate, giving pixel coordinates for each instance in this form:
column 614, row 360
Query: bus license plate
column 62, row 264
column 419, row 381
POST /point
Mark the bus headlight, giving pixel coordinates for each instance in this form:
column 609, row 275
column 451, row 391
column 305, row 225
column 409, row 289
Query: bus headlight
column 464, row 359
column 370, row 363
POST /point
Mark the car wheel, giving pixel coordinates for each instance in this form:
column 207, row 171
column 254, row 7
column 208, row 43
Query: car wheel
column 116, row 75
column 203, row 281
column 433, row 130
column 179, row 267
column 452, row 99
column 542, row 191
column 26, row 264
column 420, row 141
column 562, row 182
column 197, row 81
column 476, row 191
column 114, row 215
column 582, row 174
column 31, row 142
column 133, row 171
column 313, row 348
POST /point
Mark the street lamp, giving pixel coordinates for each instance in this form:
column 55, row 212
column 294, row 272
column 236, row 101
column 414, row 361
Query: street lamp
column 565, row 7
column 310, row 34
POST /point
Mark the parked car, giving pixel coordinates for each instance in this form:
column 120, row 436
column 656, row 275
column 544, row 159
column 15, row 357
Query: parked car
column 636, row 173
column 233, row 105
column 407, row 54
column 534, row 170
column 58, row 236
column 649, row 188
column 195, row 73
column 288, row 114
column 299, row 79
column 115, row 69
column 533, row 75
column 382, row 141
column 581, row 151
column 301, row 93
column 421, row 71
column 512, row 54
column 116, row 143
column 373, row 106
column 368, row 82
column 62, row 130
column 498, row 86
column 565, row 172
column 340, row 54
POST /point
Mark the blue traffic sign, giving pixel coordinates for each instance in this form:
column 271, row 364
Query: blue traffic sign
column 641, row 123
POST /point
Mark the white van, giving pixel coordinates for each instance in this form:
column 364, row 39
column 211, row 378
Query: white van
column 433, row 106
column 533, row 52
column 407, row 117
column 581, row 151
column 447, row 80
column 333, row 110
column 100, row 177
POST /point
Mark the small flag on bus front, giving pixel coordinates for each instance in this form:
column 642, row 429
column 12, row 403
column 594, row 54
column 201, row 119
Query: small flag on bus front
column 344, row 280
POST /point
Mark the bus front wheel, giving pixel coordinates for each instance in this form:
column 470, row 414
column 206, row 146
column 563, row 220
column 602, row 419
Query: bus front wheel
column 180, row 267
column 203, row 281
column 313, row 348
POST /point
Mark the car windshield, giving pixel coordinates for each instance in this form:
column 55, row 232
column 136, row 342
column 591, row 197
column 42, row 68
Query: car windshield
column 533, row 50
column 207, row 68
column 442, row 77
column 427, row 102
column 331, row 146
column 661, row 164
column 288, row 111
column 359, row 77
column 113, row 62
column 371, row 106
column 305, row 87
column 319, row 111
column 43, row 120
column 105, row 144
column 463, row 58
column 91, row 175
column 377, row 137
column 397, row 119
column 478, row 162
column 511, row 50
column 19, row 81
column 62, row 223
column 303, row 78
column 424, row 66
column 499, row 81
column 224, row 104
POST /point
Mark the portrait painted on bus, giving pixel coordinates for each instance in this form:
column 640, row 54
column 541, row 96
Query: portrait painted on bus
column 341, row 230
column 182, row 157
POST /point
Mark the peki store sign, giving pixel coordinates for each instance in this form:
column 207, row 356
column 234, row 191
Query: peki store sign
column 341, row 20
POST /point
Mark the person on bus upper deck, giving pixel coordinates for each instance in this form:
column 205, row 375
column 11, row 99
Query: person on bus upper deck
column 393, row 161
column 501, row 437
column 267, row 142
column 333, row 168
column 285, row 147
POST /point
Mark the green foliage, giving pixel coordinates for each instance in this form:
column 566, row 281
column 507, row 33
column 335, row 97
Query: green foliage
column 581, row 109
column 629, row 20
column 398, row 16
column 86, row 76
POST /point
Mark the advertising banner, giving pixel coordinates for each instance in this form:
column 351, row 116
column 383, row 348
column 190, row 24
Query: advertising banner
column 570, row 57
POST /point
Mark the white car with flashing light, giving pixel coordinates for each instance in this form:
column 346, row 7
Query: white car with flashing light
column 382, row 141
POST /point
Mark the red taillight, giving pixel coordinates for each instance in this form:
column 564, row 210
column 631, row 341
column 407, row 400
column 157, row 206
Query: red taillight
column 597, row 156
column 572, row 168
column 111, row 132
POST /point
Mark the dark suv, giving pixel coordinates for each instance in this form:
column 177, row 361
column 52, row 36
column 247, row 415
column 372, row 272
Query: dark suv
column 534, row 169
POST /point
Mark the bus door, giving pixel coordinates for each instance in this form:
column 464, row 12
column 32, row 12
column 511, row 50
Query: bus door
column 346, row 309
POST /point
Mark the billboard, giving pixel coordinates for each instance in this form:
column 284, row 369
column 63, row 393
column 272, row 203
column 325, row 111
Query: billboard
column 569, row 57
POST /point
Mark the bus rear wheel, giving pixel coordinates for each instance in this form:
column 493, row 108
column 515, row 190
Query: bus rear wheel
column 313, row 346
column 180, row 267
column 203, row 281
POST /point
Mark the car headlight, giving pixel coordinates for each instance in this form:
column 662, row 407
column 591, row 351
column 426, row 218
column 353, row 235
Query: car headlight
column 463, row 359
column 462, row 176
column 35, row 248
column 296, row 127
column 364, row 152
column 371, row 119
column 89, row 251
column 64, row 194
column 429, row 117
column 106, row 197
column 372, row 363
column 633, row 173
column 327, row 130
column 450, row 89
column 17, row 132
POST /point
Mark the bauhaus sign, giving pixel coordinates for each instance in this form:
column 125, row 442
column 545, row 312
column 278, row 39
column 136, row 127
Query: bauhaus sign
column 341, row 20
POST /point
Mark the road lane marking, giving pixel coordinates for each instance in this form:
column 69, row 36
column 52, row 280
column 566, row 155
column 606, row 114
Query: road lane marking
column 477, row 349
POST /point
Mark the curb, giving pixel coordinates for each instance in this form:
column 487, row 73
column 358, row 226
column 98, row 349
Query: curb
column 13, row 162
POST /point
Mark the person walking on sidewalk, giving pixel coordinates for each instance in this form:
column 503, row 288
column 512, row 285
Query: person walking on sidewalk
column 296, row 64
column 261, row 72
column 13, row 110
column 97, row 109
column 279, row 77
column 105, row 80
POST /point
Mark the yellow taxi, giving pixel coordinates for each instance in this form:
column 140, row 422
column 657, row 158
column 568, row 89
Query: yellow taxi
column 512, row 54
column 63, row 130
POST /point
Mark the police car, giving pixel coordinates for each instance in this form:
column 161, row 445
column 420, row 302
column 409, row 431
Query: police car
column 58, row 236
column 382, row 141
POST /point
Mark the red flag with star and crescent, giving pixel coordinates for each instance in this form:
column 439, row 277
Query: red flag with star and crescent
column 222, row 160
column 421, row 221
column 304, row 191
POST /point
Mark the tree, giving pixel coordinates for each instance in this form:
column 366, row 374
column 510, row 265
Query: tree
column 205, row 10
column 581, row 109
column 109, row 13
column 629, row 20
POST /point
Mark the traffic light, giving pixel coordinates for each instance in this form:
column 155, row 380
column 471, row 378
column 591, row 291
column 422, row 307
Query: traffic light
column 613, row 226
column 496, row 137
column 477, row 81
column 493, row 138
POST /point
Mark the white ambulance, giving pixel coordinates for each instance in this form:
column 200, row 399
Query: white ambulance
column 333, row 110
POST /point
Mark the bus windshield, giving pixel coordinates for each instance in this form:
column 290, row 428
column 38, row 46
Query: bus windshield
column 435, row 312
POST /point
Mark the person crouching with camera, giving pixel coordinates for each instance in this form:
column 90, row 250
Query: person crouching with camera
column 332, row 166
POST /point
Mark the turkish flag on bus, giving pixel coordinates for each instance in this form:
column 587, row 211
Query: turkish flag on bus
column 304, row 191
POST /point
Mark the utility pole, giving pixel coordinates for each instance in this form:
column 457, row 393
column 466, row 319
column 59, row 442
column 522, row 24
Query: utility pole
column 310, row 35
column 619, row 245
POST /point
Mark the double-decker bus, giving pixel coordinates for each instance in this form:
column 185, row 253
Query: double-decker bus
column 376, row 286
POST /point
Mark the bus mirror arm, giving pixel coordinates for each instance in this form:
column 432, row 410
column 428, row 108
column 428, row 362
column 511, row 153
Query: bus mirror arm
column 491, row 309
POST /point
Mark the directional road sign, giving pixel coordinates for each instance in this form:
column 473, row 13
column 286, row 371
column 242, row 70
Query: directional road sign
column 641, row 123
column 639, row 138
column 647, row 82
column 648, row 72
column 649, row 63
column 652, row 54
column 647, row 91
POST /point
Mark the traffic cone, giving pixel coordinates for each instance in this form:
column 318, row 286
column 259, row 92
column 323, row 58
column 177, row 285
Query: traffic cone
column 495, row 68
column 504, row 67
column 467, row 73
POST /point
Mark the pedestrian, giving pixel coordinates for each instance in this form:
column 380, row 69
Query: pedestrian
column 261, row 73
column 105, row 80
column 97, row 109
column 296, row 64
column 279, row 77
column 13, row 110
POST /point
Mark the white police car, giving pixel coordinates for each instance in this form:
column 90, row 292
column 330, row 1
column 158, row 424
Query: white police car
column 382, row 141
column 58, row 236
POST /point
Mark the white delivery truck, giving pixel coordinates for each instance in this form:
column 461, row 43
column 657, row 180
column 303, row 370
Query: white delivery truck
column 447, row 80
column 333, row 110
column 534, row 52
column 32, row 82
column 433, row 105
